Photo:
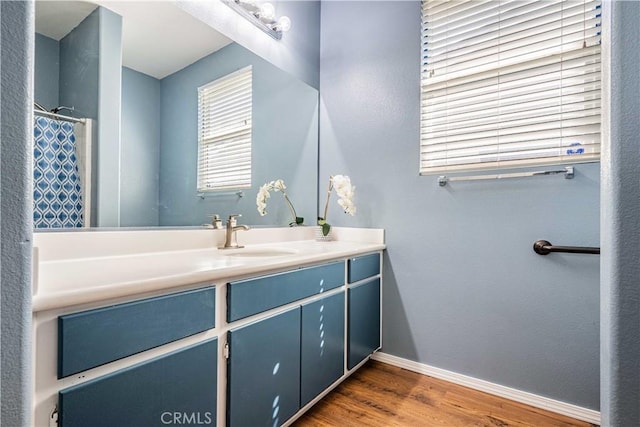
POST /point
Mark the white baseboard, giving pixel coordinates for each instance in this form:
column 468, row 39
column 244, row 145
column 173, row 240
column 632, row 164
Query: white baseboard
column 531, row 399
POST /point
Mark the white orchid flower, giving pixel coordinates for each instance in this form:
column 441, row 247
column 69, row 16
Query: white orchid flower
column 346, row 192
column 261, row 198
column 263, row 195
column 278, row 185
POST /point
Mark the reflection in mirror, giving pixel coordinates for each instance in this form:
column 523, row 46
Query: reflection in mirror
column 130, row 72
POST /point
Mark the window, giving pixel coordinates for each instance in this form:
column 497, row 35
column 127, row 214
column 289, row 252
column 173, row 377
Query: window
column 509, row 83
column 224, row 132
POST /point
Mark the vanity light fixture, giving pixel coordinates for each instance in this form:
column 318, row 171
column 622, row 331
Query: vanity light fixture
column 262, row 16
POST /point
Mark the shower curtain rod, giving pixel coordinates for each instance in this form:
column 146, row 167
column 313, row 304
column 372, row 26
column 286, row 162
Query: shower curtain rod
column 59, row 116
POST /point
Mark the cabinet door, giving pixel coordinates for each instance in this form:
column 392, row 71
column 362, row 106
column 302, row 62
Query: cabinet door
column 171, row 389
column 322, row 348
column 263, row 377
column 363, row 321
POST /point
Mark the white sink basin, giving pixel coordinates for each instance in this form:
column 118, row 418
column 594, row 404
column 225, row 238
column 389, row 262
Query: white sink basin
column 257, row 252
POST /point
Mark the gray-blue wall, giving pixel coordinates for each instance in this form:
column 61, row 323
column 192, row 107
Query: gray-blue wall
column 90, row 81
column 463, row 289
column 109, row 94
column 140, row 160
column 79, row 58
column 284, row 142
column 620, row 220
column 78, row 87
column 47, row 71
column 16, row 211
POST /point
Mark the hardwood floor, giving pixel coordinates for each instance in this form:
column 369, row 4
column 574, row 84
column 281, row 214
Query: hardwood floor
column 381, row 395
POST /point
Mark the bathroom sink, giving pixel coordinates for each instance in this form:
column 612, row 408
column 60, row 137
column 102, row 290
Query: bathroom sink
column 257, row 252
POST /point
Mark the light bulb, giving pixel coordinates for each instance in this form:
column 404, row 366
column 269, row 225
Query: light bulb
column 267, row 11
column 284, row 24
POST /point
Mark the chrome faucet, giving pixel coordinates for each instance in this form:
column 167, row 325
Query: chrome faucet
column 230, row 241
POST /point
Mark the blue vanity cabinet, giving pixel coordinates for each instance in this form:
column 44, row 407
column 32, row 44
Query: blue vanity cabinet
column 176, row 388
column 363, row 321
column 263, row 371
column 322, row 345
column 290, row 337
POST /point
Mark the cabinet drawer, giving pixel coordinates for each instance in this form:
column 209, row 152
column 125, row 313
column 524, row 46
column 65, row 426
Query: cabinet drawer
column 248, row 297
column 148, row 394
column 363, row 266
column 95, row 337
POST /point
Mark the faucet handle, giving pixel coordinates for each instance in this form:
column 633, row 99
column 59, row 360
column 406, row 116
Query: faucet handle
column 232, row 219
column 215, row 221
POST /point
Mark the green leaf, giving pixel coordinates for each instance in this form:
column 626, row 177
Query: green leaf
column 325, row 229
column 299, row 221
column 321, row 221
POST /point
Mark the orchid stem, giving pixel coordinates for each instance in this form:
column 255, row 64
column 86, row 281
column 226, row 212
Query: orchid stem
column 291, row 208
column 326, row 206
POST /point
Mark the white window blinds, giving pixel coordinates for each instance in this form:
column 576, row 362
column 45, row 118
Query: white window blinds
column 224, row 132
column 509, row 83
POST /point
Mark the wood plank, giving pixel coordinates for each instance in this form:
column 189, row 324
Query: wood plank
column 381, row 395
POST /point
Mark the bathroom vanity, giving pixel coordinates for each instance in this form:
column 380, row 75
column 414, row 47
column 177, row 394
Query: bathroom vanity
column 144, row 329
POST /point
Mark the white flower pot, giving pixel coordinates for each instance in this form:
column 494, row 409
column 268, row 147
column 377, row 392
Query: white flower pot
column 321, row 238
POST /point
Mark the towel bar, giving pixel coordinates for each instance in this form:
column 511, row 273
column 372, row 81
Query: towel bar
column 544, row 247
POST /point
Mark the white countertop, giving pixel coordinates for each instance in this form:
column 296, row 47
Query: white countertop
column 77, row 280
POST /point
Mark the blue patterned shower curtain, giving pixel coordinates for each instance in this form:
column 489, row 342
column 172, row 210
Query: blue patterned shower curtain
column 57, row 195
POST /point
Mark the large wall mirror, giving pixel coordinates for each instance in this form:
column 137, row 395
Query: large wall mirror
column 125, row 154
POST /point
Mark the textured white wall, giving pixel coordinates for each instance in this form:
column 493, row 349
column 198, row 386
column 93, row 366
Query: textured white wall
column 17, row 45
column 620, row 220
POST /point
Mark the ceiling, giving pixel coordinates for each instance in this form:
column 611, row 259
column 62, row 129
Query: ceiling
column 158, row 37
